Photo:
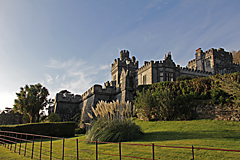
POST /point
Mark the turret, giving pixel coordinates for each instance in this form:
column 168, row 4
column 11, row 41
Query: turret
column 124, row 55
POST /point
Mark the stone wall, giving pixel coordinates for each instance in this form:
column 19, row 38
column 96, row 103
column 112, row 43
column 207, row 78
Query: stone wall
column 67, row 105
column 218, row 112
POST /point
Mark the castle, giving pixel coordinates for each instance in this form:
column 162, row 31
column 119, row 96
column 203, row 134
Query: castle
column 126, row 75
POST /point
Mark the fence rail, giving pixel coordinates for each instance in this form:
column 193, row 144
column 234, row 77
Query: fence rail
column 33, row 146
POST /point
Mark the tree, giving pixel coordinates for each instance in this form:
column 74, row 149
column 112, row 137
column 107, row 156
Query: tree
column 31, row 100
column 54, row 117
column 8, row 117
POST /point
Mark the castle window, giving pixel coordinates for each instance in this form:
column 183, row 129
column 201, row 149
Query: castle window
column 208, row 63
column 168, row 76
column 144, row 79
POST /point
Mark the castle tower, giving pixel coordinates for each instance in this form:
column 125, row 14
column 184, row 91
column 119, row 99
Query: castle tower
column 200, row 59
column 124, row 62
column 124, row 55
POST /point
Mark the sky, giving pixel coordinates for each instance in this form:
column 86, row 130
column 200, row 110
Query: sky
column 70, row 44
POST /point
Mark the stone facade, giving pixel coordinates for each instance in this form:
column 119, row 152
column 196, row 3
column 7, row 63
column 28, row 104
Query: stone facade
column 126, row 76
column 67, row 105
column 166, row 70
column 214, row 60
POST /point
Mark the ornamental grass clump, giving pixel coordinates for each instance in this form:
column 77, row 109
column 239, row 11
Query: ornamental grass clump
column 113, row 123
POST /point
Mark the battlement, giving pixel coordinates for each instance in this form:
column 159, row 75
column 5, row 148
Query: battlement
column 68, row 97
column 109, row 84
column 109, row 89
column 219, row 50
column 192, row 61
column 147, row 65
column 199, row 51
column 187, row 70
column 152, row 63
column 119, row 62
column 124, row 55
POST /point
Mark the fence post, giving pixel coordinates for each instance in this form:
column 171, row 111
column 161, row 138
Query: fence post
column 5, row 138
column 20, row 144
column 8, row 139
column 153, row 151
column 25, row 146
column 192, row 153
column 41, row 148
column 77, row 149
column 11, row 144
column 63, row 150
column 96, row 150
column 51, row 149
column 120, row 151
column 15, row 144
column 32, row 147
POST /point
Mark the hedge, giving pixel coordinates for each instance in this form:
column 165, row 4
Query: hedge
column 55, row 129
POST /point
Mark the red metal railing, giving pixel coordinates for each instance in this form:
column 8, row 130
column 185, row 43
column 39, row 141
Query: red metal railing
column 19, row 143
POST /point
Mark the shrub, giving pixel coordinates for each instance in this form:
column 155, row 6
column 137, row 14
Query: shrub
column 57, row 129
column 80, row 131
column 178, row 100
column 113, row 123
column 114, row 130
column 54, row 117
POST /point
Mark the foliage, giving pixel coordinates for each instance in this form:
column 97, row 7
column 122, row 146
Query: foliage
column 186, row 77
column 112, row 110
column 54, row 117
column 8, row 117
column 178, row 100
column 114, row 130
column 58, row 129
column 113, row 123
column 80, row 131
column 31, row 100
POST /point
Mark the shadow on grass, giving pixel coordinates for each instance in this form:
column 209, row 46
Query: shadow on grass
column 166, row 135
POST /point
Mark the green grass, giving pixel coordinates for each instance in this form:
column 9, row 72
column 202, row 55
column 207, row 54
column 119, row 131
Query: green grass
column 199, row 133
column 6, row 154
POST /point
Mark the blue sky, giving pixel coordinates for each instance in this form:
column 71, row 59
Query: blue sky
column 70, row 44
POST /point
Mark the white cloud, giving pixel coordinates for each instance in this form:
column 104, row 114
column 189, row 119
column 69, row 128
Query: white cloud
column 76, row 75
column 54, row 63
column 104, row 67
column 49, row 79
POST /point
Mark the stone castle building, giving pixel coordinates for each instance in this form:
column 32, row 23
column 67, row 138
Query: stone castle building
column 213, row 60
column 126, row 76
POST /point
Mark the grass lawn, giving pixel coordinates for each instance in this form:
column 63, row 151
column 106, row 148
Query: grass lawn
column 199, row 133
column 6, row 154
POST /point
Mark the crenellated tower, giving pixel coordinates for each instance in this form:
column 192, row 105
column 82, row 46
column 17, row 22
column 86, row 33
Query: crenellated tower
column 123, row 63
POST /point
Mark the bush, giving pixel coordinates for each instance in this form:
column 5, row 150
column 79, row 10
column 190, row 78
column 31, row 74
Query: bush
column 62, row 129
column 113, row 123
column 80, row 131
column 108, row 130
column 178, row 100
column 54, row 117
